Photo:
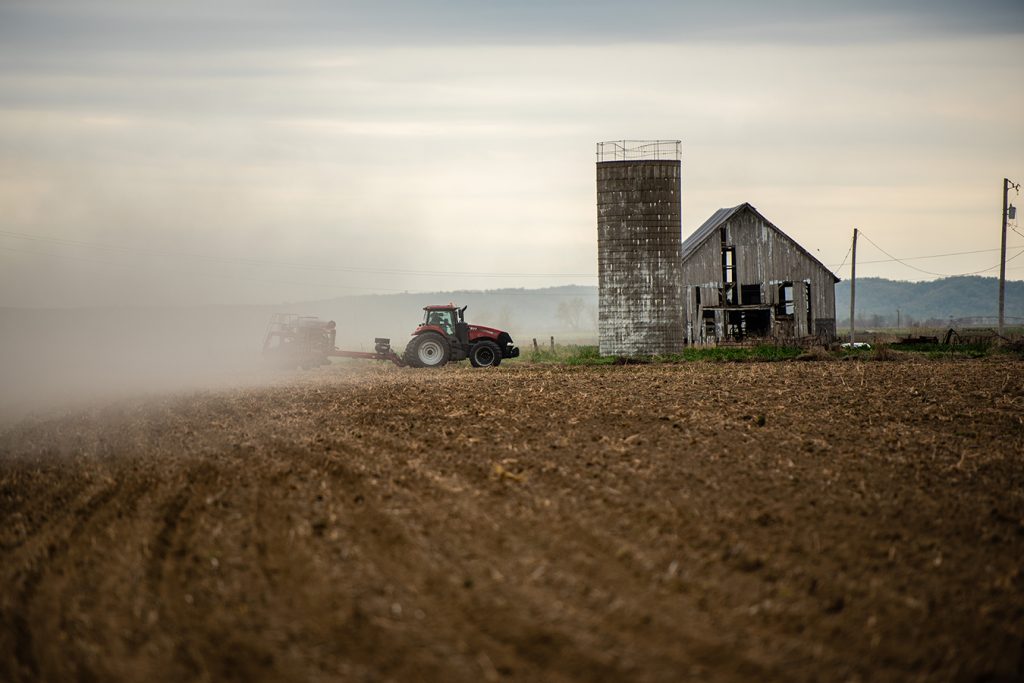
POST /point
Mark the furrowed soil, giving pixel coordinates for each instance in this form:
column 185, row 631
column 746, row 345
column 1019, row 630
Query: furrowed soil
column 721, row 522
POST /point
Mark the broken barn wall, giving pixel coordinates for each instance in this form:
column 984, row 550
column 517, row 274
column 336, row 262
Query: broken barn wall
column 764, row 257
column 639, row 257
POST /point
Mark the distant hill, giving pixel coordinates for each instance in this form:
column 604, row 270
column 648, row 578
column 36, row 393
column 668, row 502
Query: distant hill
column 967, row 300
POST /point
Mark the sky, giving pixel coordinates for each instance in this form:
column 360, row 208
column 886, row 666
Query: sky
column 186, row 153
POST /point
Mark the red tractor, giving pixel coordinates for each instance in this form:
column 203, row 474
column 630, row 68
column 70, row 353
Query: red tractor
column 443, row 337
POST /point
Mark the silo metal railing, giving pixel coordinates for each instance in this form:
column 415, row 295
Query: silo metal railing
column 640, row 150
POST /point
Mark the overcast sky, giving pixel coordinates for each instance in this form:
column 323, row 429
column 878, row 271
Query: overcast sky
column 261, row 152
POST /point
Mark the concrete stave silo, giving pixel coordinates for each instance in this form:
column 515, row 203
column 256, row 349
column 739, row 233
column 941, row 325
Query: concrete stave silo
column 640, row 247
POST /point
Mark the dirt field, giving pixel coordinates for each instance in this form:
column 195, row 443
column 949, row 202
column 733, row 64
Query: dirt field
column 723, row 522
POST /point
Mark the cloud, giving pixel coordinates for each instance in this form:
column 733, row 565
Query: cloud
column 184, row 28
column 340, row 135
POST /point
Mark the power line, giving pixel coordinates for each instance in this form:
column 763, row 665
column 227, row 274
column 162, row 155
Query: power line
column 279, row 264
column 127, row 266
column 396, row 271
column 845, row 257
column 918, row 258
column 226, row 276
column 930, row 272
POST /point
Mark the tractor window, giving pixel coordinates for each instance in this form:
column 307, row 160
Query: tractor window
column 442, row 319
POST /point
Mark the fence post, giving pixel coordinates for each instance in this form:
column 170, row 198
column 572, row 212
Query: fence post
column 535, row 349
column 552, row 343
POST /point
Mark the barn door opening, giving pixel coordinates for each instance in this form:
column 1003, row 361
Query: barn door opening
column 810, row 317
column 729, row 276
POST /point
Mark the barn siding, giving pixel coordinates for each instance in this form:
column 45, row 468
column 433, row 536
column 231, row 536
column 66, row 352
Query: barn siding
column 766, row 257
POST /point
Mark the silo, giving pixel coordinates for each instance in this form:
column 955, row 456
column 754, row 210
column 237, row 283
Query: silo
column 639, row 246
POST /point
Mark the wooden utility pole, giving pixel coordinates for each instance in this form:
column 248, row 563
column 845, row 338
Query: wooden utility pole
column 853, row 285
column 1002, row 256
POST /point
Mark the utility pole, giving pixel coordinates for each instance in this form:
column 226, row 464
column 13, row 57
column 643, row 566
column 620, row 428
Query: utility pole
column 1002, row 251
column 853, row 285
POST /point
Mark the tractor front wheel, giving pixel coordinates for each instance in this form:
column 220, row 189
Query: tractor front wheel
column 429, row 350
column 485, row 354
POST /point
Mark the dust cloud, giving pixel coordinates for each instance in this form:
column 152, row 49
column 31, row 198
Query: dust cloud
column 61, row 359
column 56, row 360
column 65, row 359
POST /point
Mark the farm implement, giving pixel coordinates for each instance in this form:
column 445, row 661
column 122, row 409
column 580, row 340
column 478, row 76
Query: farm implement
column 443, row 337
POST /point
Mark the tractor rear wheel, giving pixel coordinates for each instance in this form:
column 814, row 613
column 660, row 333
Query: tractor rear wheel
column 429, row 350
column 485, row 354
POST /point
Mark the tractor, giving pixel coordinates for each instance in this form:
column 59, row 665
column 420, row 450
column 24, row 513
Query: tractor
column 443, row 337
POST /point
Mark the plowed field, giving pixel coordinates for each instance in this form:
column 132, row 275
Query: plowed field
column 723, row 522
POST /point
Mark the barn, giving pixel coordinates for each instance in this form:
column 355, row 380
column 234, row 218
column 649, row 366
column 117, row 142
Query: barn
column 745, row 279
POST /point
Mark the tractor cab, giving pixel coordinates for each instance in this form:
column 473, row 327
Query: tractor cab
column 448, row 319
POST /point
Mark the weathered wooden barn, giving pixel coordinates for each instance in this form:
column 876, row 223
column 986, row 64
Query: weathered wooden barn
column 745, row 278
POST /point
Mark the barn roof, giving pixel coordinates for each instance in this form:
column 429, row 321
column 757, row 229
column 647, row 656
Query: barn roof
column 712, row 224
